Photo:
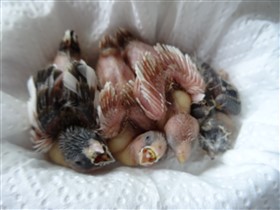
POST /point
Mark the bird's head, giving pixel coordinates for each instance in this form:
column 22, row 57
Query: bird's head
column 70, row 43
column 214, row 138
column 153, row 147
column 83, row 149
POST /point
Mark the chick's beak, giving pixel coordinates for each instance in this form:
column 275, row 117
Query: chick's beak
column 148, row 156
column 152, row 153
column 98, row 153
column 183, row 151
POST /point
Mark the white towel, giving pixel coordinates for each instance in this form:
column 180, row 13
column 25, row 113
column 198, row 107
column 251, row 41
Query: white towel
column 240, row 37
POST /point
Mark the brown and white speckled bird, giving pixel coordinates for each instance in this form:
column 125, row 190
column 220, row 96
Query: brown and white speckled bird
column 63, row 114
column 69, row 50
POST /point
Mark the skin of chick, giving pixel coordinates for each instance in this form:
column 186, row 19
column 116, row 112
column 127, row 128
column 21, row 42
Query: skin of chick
column 111, row 67
column 120, row 142
column 144, row 150
column 135, row 50
column 139, row 120
column 182, row 101
column 132, row 48
column 114, row 76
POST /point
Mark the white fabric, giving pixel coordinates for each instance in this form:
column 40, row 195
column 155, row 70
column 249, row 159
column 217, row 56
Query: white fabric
column 239, row 37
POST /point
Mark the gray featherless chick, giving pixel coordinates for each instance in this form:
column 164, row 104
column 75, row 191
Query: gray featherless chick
column 219, row 94
column 214, row 112
column 62, row 111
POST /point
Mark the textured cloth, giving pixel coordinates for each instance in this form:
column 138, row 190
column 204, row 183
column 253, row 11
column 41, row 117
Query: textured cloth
column 240, row 37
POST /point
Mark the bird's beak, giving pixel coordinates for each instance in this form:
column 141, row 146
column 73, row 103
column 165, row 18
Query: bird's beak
column 183, row 152
column 98, row 153
column 152, row 153
column 148, row 156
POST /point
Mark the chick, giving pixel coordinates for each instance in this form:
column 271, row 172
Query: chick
column 132, row 48
column 110, row 65
column 181, row 128
column 217, row 134
column 156, row 69
column 150, row 87
column 217, row 127
column 155, row 74
column 63, row 115
column 118, row 106
column 220, row 94
column 145, row 149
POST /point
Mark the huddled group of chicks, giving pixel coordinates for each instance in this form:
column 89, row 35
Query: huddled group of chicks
column 138, row 102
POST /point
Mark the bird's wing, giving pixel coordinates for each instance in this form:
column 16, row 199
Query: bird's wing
column 182, row 70
column 150, row 87
column 80, row 85
column 61, row 99
column 44, row 90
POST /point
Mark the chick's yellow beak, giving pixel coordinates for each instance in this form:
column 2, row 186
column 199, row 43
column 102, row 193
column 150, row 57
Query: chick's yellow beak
column 147, row 156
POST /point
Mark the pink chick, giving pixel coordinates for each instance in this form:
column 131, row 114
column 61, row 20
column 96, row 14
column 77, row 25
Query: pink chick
column 182, row 70
column 181, row 129
column 132, row 48
column 144, row 150
column 117, row 102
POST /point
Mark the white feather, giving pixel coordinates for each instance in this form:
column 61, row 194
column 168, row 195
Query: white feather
column 96, row 98
column 32, row 102
column 89, row 74
column 70, row 81
column 91, row 77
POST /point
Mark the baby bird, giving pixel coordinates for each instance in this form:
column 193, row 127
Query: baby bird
column 63, row 115
column 219, row 94
column 132, row 48
column 181, row 129
column 155, row 68
column 122, row 119
column 217, row 127
column 145, row 149
column 217, row 134
column 156, row 74
column 118, row 105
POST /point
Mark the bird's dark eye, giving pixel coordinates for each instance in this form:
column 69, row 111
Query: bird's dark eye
column 148, row 140
column 78, row 163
